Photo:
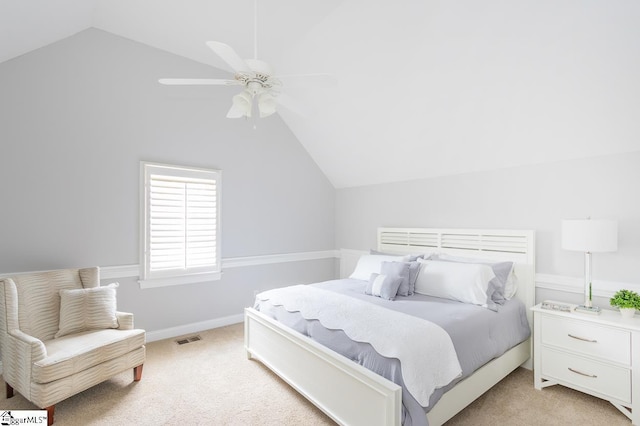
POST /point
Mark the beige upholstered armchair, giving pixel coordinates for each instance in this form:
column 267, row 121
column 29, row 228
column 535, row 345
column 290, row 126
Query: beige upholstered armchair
column 60, row 334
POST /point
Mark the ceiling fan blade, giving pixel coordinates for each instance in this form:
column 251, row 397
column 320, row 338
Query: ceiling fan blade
column 306, row 80
column 230, row 56
column 197, row 82
column 292, row 105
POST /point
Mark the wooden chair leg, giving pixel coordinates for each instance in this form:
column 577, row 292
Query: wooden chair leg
column 9, row 390
column 137, row 373
column 50, row 411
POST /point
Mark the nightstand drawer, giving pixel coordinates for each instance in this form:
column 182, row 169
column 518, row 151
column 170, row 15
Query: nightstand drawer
column 607, row 380
column 611, row 344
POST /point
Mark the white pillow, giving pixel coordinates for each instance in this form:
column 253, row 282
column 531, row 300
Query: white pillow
column 506, row 283
column 372, row 264
column 87, row 309
column 464, row 282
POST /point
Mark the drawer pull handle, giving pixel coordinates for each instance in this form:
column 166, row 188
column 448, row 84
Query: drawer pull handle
column 582, row 374
column 582, row 338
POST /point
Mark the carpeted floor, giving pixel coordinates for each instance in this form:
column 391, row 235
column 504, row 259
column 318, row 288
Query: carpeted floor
column 211, row 382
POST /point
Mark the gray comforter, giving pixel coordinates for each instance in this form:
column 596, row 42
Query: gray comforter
column 478, row 334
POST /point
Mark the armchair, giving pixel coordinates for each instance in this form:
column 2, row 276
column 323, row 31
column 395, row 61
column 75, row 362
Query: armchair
column 61, row 334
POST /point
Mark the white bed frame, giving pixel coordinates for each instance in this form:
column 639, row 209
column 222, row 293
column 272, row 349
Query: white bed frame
column 353, row 395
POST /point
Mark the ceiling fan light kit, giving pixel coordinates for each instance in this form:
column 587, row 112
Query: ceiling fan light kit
column 266, row 105
column 241, row 106
column 256, row 76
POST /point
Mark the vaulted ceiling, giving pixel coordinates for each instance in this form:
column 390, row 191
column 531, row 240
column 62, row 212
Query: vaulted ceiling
column 424, row 88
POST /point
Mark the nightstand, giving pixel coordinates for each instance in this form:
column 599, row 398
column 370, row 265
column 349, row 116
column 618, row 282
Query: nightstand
column 589, row 353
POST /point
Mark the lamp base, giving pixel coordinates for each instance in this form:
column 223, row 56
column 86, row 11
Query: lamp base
column 593, row 310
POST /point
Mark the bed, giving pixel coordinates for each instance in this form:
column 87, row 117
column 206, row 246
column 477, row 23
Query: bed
column 351, row 394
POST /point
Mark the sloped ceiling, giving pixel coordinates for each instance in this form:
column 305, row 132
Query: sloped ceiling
column 424, row 88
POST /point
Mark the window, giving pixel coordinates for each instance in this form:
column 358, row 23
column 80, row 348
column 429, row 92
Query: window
column 180, row 225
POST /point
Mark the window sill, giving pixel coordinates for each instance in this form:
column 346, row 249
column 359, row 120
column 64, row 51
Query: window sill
column 186, row 279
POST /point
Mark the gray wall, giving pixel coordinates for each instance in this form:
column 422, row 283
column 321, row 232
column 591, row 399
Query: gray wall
column 77, row 117
column 533, row 197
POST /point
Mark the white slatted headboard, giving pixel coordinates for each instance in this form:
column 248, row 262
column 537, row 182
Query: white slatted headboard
column 469, row 241
column 517, row 246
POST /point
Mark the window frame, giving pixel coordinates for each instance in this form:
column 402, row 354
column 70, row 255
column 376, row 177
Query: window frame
column 149, row 278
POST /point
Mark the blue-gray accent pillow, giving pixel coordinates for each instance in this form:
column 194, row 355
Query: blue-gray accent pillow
column 384, row 286
column 414, row 270
column 398, row 270
column 408, row 271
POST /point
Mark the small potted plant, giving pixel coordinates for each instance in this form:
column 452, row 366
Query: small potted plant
column 627, row 301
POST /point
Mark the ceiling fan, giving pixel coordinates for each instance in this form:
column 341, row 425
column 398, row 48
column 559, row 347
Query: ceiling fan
column 256, row 76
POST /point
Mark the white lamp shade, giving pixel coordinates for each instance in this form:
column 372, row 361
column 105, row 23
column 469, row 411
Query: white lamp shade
column 241, row 107
column 266, row 105
column 588, row 235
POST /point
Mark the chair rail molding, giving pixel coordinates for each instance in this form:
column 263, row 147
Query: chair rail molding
column 601, row 288
column 125, row 271
column 348, row 258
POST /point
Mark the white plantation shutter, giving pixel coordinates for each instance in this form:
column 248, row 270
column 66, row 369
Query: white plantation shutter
column 181, row 223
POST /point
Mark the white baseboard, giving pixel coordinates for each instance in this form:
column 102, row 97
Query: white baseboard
column 195, row 327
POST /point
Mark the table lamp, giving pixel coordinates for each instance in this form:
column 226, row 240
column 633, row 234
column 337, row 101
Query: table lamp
column 589, row 236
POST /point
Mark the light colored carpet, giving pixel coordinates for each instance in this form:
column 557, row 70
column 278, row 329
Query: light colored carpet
column 211, row 382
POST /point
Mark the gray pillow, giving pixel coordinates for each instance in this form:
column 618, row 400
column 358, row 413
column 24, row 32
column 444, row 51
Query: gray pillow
column 414, row 270
column 502, row 271
column 397, row 270
column 408, row 271
column 384, row 286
